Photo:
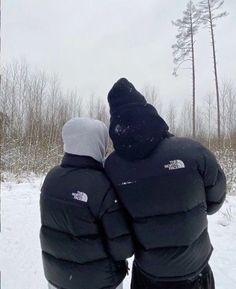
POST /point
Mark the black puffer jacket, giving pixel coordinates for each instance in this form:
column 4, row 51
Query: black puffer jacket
column 84, row 236
column 168, row 195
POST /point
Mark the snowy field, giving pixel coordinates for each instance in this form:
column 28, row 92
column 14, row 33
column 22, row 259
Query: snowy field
column 20, row 256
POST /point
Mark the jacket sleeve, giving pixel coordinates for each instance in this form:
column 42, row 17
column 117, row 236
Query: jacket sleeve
column 214, row 181
column 115, row 225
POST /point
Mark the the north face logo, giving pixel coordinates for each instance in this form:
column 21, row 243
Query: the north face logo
column 80, row 196
column 175, row 165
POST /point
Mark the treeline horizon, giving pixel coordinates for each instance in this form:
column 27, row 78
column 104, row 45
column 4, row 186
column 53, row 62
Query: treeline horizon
column 34, row 108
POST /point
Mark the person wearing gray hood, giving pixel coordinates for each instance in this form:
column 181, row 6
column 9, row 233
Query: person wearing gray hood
column 84, row 236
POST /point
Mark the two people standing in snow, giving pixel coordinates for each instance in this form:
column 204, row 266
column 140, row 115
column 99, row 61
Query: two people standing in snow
column 164, row 187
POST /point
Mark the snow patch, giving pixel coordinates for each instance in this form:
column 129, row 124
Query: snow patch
column 20, row 251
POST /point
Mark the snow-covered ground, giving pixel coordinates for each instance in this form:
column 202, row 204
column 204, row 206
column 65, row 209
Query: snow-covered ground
column 20, row 256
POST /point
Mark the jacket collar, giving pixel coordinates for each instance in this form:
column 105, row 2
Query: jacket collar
column 82, row 162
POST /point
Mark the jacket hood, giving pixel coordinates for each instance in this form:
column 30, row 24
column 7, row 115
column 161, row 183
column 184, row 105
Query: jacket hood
column 85, row 137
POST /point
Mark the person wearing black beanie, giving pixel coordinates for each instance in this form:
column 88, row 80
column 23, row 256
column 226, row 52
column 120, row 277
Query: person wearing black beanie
column 135, row 127
column 167, row 185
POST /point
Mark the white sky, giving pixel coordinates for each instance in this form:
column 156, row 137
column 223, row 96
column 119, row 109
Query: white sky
column 92, row 43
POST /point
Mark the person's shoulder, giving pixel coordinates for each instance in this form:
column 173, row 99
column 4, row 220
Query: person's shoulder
column 110, row 158
column 183, row 143
column 98, row 185
column 95, row 179
column 52, row 172
column 184, row 146
column 99, row 177
column 50, row 176
column 113, row 161
column 183, row 140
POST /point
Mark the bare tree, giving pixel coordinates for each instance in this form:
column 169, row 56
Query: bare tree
column 209, row 10
column 151, row 94
column 185, row 120
column 98, row 109
column 200, row 125
column 228, row 111
column 33, row 109
column 209, row 115
column 171, row 117
column 184, row 49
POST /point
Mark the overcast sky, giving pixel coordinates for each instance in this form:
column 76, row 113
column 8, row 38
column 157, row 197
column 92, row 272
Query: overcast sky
column 92, row 43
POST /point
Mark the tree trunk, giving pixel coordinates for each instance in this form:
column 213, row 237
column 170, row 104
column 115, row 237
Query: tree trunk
column 215, row 72
column 194, row 81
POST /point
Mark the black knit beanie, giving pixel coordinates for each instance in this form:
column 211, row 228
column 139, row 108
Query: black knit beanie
column 135, row 127
column 122, row 93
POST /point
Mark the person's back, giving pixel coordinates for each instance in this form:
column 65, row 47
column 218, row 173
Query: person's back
column 84, row 236
column 168, row 186
column 165, row 196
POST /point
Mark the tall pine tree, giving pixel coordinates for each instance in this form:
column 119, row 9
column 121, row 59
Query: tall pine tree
column 209, row 10
column 184, row 48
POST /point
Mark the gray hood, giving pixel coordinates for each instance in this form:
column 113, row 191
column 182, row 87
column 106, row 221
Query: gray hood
column 85, row 137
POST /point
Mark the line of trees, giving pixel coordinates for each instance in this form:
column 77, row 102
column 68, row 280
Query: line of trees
column 34, row 107
column 205, row 14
